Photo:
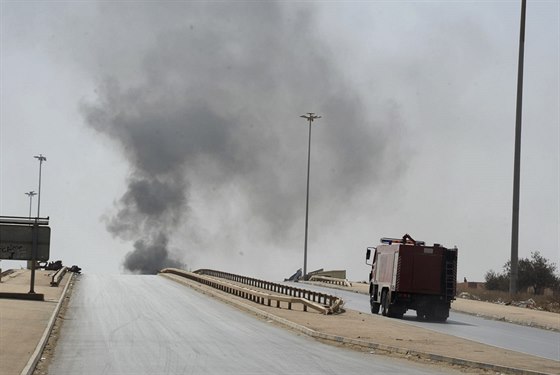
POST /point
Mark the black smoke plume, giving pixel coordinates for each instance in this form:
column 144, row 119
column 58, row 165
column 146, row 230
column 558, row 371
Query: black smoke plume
column 215, row 102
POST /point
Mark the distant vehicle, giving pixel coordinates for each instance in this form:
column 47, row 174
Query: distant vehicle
column 407, row 274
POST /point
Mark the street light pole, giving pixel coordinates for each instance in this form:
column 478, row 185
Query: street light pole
column 30, row 195
column 310, row 117
column 41, row 159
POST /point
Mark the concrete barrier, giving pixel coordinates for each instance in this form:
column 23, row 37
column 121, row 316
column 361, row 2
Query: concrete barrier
column 58, row 275
column 260, row 297
column 25, row 296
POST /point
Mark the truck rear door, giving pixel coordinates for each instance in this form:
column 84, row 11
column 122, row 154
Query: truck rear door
column 420, row 270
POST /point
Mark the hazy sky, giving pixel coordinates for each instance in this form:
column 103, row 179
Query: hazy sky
column 172, row 130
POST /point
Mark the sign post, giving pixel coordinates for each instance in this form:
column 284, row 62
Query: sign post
column 25, row 239
column 35, row 235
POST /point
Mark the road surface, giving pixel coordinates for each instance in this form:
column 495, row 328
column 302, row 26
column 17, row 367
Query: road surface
column 534, row 341
column 151, row 325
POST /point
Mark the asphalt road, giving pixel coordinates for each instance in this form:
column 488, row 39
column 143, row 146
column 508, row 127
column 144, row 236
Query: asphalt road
column 534, row 341
column 150, row 325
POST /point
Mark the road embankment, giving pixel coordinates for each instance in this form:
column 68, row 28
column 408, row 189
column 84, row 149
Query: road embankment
column 389, row 336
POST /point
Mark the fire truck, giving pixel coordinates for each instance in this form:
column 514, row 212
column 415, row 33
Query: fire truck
column 408, row 275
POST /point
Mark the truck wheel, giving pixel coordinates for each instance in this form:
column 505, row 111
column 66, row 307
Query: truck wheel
column 440, row 314
column 384, row 303
column 374, row 305
column 421, row 315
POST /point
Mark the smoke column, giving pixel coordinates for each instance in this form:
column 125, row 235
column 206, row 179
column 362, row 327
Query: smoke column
column 208, row 106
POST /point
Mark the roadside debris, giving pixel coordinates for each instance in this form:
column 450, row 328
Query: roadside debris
column 295, row 277
column 529, row 304
column 52, row 266
column 57, row 265
column 467, row 295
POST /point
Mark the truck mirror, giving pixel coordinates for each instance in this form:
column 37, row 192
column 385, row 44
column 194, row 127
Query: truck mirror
column 368, row 255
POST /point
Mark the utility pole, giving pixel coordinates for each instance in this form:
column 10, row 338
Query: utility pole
column 517, row 157
column 310, row 117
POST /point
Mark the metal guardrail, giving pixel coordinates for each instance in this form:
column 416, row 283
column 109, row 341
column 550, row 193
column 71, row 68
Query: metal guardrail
column 58, row 275
column 322, row 298
column 5, row 273
column 330, row 280
column 322, row 302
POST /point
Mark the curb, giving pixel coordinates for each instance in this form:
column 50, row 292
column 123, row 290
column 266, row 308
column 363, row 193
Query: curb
column 361, row 343
column 30, row 367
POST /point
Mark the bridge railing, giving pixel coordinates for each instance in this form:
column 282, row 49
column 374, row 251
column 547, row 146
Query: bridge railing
column 330, row 280
column 322, row 302
column 322, row 298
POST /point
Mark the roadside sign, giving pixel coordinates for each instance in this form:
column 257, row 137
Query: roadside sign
column 16, row 242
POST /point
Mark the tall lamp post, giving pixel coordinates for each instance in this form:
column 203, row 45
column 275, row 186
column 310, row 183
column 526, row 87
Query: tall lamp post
column 41, row 159
column 30, row 195
column 310, row 117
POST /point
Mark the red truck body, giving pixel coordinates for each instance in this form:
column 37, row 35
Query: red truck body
column 407, row 274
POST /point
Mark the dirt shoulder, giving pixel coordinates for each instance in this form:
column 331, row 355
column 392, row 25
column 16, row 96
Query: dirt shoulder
column 512, row 314
column 385, row 335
